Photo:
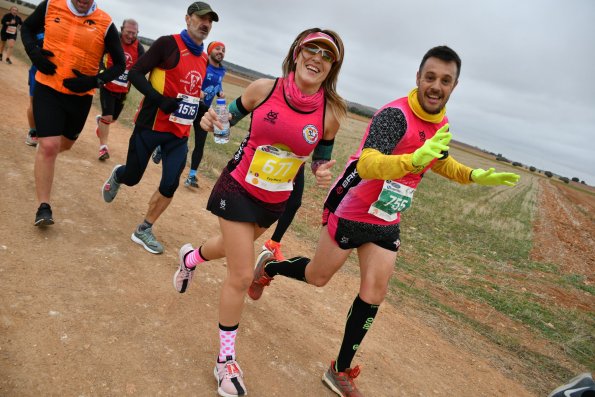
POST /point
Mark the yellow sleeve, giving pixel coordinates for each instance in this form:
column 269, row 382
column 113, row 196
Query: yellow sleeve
column 452, row 169
column 374, row 165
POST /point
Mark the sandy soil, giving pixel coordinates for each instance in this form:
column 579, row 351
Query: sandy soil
column 86, row 312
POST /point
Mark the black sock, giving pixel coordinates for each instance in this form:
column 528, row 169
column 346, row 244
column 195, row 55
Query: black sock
column 359, row 320
column 292, row 268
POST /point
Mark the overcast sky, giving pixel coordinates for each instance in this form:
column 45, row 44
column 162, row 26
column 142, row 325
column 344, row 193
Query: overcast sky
column 527, row 85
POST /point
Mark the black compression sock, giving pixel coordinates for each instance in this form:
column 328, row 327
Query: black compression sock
column 293, row 268
column 359, row 320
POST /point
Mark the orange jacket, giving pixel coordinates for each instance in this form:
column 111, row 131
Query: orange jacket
column 76, row 41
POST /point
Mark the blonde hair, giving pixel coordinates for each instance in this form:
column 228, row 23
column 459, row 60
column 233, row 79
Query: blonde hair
column 337, row 104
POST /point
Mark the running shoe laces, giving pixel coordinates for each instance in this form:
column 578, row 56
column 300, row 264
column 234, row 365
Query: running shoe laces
column 275, row 248
column 342, row 382
column 230, row 378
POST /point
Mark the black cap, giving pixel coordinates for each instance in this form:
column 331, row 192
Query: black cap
column 202, row 9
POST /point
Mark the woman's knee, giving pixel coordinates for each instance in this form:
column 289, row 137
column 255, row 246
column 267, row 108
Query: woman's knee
column 241, row 280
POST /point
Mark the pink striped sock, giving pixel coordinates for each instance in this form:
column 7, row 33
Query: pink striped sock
column 193, row 258
column 227, row 344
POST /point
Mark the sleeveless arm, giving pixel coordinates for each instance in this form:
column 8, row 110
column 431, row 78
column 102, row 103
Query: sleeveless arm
column 256, row 93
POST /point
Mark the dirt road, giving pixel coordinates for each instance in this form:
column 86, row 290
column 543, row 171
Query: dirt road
column 86, row 312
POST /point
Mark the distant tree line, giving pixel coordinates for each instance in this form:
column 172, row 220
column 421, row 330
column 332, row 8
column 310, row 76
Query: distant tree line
column 549, row 174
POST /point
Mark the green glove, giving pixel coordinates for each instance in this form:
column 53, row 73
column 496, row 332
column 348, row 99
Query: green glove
column 432, row 148
column 491, row 178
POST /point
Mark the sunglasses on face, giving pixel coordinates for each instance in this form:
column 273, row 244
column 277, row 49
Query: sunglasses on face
column 313, row 49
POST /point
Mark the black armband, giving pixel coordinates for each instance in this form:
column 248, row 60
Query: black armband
column 237, row 110
column 323, row 150
column 322, row 153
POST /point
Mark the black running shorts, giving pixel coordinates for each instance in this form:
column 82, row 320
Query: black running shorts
column 352, row 234
column 7, row 36
column 59, row 114
column 112, row 103
column 230, row 201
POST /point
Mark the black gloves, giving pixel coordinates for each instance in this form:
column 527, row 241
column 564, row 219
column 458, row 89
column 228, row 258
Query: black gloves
column 168, row 104
column 39, row 57
column 81, row 83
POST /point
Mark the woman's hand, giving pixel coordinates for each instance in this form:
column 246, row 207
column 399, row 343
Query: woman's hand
column 209, row 119
column 323, row 174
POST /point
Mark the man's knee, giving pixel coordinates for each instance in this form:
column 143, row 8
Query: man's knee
column 317, row 280
column 168, row 191
column 49, row 147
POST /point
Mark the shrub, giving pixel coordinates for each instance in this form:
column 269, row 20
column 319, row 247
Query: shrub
column 548, row 174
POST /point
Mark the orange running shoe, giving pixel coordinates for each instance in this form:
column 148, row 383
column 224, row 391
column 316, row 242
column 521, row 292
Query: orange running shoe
column 274, row 248
column 261, row 279
column 342, row 382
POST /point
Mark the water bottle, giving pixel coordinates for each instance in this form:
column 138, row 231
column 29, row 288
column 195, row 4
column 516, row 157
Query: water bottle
column 221, row 135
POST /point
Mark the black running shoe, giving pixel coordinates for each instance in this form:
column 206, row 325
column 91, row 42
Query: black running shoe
column 43, row 217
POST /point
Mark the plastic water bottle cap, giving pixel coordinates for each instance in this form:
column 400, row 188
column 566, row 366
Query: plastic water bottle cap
column 220, row 101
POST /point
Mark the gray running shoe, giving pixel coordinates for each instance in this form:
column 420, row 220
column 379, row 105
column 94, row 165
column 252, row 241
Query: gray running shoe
column 147, row 239
column 31, row 139
column 156, row 156
column 191, row 181
column 342, row 382
column 183, row 276
column 580, row 386
column 111, row 186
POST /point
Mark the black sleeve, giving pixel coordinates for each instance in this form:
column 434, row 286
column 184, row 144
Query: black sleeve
column 157, row 55
column 113, row 46
column 386, row 130
column 32, row 25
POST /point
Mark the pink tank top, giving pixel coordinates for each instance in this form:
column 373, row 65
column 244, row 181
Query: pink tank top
column 276, row 123
column 355, row 204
